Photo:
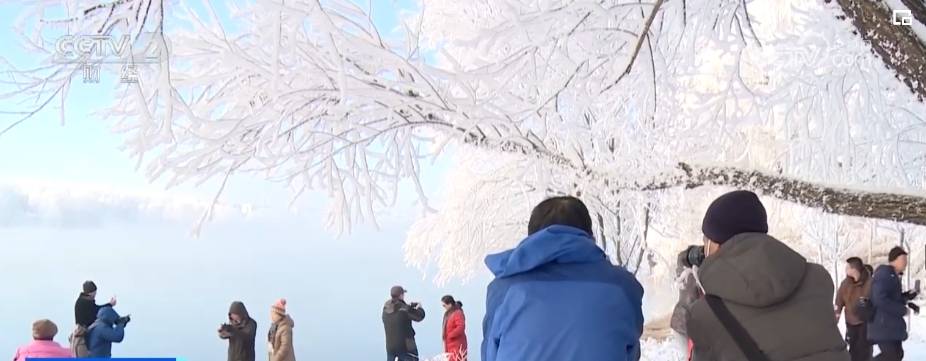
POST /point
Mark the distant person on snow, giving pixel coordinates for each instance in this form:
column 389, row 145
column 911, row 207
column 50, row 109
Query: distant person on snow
column 85, row 312
column 86, row 309
column 454, row 335
column 43, row 344
column 109, row 328
column 857, row 285
column 757, row 288
column 397, row 322
column 888, row 329
column 241, row 332
column 280, row 337
column 556, row 296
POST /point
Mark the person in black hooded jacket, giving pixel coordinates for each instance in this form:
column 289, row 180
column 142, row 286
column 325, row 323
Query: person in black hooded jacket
column 397, row 321
column 240, row 331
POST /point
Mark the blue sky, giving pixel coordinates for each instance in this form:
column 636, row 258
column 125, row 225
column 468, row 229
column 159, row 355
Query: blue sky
column 177, row 287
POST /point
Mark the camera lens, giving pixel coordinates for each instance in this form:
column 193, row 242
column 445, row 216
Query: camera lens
column 695, row 256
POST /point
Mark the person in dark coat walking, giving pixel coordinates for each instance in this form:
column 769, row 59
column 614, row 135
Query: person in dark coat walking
column 888, row 329
column 857, row 285
column 241, row 333
column 397, row 322
column 783, row 302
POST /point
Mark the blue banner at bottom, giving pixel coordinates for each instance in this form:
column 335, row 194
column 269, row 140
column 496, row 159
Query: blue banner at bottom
column 105, row 359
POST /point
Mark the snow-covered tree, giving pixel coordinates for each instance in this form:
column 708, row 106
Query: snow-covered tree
column 627, row 104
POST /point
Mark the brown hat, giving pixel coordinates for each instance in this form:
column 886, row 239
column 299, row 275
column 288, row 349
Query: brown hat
column 44, row 330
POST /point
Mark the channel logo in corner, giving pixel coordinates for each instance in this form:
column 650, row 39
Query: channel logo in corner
column 902, row 17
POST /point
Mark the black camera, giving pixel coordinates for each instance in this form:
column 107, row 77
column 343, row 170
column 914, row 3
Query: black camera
column 694, row 256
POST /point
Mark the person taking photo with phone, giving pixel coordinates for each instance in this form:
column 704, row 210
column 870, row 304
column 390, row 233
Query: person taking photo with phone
column 241, row 333
column 397, row 322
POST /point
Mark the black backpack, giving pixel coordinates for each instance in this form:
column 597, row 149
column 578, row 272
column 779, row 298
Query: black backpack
column 864, row 309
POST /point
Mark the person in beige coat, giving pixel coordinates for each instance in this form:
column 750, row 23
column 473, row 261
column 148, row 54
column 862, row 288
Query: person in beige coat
column 280, row 338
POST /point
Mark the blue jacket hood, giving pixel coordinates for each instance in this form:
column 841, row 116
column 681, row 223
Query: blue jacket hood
column 107, row 315
column 554, row 244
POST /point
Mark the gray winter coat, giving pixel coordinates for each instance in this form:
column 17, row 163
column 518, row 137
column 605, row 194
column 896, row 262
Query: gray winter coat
column 783, row 302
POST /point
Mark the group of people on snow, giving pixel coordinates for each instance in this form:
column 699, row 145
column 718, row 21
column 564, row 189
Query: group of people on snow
column 747, row 296
column 398, row 316
column 744, row 295
column 97, row 328
column 874, row 305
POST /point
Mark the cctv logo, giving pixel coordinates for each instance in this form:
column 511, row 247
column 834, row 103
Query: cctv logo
column 902, row 17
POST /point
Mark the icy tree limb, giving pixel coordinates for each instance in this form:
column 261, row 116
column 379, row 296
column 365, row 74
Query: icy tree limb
column 898, row 46
column 644, row 36
column 897, row 207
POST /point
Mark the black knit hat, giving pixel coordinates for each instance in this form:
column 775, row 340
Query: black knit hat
column 89, row 287
column 734, row 213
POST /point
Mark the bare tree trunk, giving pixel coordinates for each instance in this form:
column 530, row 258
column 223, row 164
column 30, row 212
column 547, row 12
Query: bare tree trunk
column 643, row 247
column 602, row 234
column 897, row 46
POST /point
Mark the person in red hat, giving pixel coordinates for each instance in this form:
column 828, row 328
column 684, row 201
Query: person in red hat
column 280, row 338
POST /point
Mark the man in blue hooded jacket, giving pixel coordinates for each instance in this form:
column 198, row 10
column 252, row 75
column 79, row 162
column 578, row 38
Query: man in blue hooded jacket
column 888, row 329
column 107, row 329
column 556, row 296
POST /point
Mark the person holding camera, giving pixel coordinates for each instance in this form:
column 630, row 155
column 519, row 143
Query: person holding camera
column 397, row 322
column 888, row 329
column 108, row 328
column 241, row 332
column 763, row 300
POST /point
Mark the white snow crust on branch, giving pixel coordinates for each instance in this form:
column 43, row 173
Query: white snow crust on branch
column 531, row 97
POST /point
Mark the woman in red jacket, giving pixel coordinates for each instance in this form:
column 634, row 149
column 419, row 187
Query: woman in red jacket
column 454, row 329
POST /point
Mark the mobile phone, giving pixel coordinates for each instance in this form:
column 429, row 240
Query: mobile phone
column 916, row 286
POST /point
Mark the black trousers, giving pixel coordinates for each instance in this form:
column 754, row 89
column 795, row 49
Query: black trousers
column 890, row 351
column 859, row 346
